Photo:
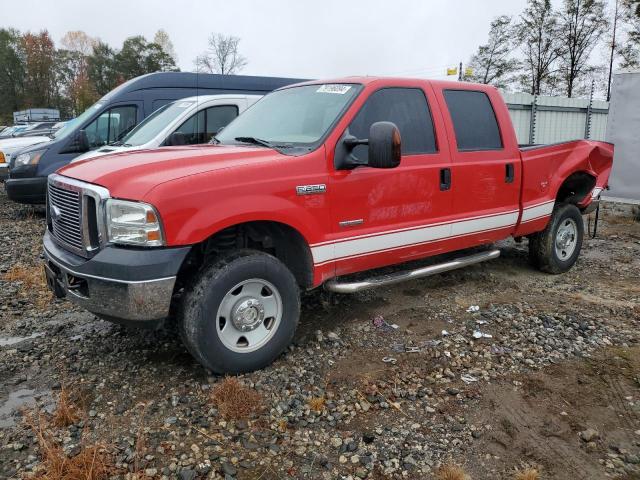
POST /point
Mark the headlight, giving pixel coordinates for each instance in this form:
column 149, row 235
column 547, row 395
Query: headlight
column 133, row 223
column 2, row 158
column 28, row 158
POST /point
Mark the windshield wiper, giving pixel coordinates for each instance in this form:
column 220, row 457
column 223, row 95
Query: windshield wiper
column 255, row 141
column 259, row 141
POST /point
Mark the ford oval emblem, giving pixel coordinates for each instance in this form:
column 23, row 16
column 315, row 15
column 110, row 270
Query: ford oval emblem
column 55, row 212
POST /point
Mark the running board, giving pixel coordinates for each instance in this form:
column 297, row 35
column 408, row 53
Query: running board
column 335, row 285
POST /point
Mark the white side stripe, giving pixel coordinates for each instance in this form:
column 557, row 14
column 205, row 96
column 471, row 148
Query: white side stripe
column 537, row 211
column 384, row 241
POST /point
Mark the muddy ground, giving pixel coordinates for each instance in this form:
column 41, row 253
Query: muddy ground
column 553, row 382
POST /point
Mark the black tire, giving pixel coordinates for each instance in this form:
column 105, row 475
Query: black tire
column 542, row 246
column 202, row 299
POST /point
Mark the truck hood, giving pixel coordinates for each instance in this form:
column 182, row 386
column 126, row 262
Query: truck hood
column 132, row 174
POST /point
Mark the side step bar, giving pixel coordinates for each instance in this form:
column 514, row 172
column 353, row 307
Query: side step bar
column 335, row 285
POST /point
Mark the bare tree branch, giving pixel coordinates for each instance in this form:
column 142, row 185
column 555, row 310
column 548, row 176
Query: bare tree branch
column 222, row 56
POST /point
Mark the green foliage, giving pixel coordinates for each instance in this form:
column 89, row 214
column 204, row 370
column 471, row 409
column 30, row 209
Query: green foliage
column 36, row 74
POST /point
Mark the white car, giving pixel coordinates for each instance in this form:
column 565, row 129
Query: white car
column 11, row 145
column 188, row 121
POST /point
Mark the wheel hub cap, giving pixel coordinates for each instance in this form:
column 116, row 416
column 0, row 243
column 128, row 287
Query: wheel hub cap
column 566, row 239
column 248, row 314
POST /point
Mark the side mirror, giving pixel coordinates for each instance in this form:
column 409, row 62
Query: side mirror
column 79, row 144
column 176, row 138
column 384, row 145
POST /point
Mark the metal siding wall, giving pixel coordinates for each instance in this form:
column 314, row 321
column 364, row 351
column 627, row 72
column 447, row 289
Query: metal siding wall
column 555, row 125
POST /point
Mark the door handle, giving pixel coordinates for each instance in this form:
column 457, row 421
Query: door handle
column 510, row 173
column 445, row 179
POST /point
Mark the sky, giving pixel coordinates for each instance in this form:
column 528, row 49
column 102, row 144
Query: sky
column 291, row 38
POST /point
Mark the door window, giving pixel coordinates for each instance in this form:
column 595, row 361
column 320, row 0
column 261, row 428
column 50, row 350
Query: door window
column 111, row 125
column 474, row 120
column 408, row 109
column 200, row 127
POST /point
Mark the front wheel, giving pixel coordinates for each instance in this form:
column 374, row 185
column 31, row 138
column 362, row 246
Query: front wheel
column 241, row 313
column 557, row 247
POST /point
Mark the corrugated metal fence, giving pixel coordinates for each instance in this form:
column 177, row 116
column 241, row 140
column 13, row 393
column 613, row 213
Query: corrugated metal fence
column 556, row 119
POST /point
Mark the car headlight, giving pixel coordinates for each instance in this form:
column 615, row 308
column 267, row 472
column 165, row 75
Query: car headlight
column 28, row 158
column 133, row 223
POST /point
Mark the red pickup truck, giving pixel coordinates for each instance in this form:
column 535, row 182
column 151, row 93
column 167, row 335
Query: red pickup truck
column 315, row 182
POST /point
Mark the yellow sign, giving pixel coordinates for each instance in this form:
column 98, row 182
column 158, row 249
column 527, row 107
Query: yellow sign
column 468, row 71
column 452, row 71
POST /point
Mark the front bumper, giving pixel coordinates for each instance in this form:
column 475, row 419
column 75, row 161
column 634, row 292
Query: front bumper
column 27, row 190
column 130, row 286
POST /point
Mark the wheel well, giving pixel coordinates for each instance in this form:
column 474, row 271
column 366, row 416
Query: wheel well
column 575, row 187
column 280, row 240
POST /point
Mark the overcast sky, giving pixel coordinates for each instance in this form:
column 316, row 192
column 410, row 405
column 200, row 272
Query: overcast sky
column 295, row 38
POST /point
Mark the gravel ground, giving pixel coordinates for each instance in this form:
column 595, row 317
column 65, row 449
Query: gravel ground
column 391, row 383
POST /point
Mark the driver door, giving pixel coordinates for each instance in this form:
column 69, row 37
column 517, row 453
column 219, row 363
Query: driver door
column 386, row 216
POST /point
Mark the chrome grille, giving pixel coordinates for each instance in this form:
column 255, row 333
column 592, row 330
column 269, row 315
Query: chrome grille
column 65, row 212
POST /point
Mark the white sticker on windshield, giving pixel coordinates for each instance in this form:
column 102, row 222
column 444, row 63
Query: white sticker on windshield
column 334, row 88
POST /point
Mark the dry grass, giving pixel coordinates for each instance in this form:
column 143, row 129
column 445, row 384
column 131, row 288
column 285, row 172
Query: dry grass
column 451, row 472
column 234, row 400
column 317, row 404
column 66, row 412
column 92, row 462
column 527, row 474
column 34, row 285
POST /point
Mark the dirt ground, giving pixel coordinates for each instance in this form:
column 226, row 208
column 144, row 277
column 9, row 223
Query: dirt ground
column 555, row 387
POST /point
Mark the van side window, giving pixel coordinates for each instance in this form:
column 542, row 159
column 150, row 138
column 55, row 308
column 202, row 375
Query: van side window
column 474, row 120
column 408, row 109
column 200, row 127
column 111, row 125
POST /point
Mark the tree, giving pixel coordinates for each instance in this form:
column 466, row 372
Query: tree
column 538, row 34
column 12, row 71
column 629, row 51
column 582, row 24
column 162, row 38
column 492, row 64
column 73, row 70
column 222, row 56
column 39, row 73
column 101, row 69
column 138, row 57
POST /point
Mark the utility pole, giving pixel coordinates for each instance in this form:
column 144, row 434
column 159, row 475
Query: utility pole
column 613, row 49
column 460, row 73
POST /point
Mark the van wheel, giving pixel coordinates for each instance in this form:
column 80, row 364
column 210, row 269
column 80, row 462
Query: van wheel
column 241, row 312
column 556, row 248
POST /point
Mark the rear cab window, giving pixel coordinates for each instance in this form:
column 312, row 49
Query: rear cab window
column 474, row 120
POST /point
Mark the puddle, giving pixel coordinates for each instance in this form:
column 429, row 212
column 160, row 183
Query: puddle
column 6, row 341
column 22, row 398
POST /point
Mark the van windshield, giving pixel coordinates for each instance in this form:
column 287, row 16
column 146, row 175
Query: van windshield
column 149, row 128
column 296, row 116
column 71, row 124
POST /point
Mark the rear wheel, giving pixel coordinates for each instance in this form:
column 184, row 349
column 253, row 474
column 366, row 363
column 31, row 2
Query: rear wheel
column 557, row 247
column 241, row 313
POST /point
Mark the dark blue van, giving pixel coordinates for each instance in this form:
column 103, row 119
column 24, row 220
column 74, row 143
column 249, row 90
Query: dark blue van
column 114, row 115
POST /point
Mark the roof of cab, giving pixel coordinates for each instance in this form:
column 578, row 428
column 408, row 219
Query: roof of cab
column 367, row 80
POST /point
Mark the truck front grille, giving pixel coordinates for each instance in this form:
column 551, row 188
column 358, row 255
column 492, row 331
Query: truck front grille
column 75, row 210
column 65, row 211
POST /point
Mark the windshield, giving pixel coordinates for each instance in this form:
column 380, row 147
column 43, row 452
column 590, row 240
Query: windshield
column 293, row 116
column 155, row 123
column 70, row 125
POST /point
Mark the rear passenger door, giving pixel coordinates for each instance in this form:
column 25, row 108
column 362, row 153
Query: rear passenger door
column 485, row 170
column 385, row 216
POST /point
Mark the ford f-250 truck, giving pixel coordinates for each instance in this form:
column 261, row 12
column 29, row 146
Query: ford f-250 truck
column 313, row 183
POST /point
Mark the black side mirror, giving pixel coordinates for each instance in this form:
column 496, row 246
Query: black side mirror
column 79, row 144
column 384, row 145
column 177, row 138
